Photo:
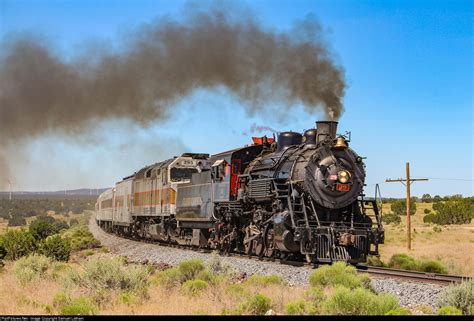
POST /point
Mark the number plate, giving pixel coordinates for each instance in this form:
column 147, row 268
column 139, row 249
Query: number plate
column 343, row 187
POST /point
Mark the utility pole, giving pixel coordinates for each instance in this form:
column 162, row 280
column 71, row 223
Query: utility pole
column 407, row 182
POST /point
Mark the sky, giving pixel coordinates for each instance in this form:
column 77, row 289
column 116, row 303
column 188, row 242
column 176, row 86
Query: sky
column 408, row 66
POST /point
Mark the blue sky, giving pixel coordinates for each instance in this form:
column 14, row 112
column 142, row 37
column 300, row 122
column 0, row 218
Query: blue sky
column 408, row 65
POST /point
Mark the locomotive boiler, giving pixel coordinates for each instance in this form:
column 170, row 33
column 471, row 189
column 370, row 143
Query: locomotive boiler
column 300, row 198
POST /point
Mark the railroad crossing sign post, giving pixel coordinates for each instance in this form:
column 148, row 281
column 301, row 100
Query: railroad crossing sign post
column 407, row 182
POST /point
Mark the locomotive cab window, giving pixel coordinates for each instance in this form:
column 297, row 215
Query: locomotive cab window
column 219, row 170
column 180, row 174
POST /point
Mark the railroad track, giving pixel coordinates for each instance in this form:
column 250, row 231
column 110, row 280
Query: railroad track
column 376, row 272
column 417, row 276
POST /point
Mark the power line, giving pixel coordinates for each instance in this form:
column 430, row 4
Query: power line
column 452, row 179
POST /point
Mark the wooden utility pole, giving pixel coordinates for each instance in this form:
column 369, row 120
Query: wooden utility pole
column 407, row 182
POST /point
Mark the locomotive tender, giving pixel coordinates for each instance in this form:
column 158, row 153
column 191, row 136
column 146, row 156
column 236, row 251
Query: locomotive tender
column 298, row 198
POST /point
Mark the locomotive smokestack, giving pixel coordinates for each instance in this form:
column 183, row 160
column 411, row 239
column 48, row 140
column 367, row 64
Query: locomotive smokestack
column 325, row 129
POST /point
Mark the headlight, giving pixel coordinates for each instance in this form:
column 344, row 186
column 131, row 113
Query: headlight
column 343, row 176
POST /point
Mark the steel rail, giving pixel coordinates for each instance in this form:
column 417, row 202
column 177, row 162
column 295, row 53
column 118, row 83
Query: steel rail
column 413, row 275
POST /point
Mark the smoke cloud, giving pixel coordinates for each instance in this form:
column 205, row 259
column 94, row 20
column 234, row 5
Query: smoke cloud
column 158, row 64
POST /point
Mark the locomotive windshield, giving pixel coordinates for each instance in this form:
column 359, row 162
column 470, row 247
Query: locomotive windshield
column 180, row 174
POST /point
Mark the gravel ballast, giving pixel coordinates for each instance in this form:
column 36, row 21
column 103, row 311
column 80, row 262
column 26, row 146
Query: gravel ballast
column 410, row 294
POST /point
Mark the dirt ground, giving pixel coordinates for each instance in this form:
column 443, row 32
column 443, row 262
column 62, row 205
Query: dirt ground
column 453, row 245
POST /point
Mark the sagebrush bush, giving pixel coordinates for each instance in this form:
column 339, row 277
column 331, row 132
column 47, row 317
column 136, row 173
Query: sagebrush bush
column 299, row 307
column 112, row 274
column 399, row 311
column 190, row 269
column 265, row 280
column 194, row 287
column 216, row 266
column 55, row 247
column 79, row 306
column 168, row 278
column 449, row 310
column 460, row 296
column 17, row 243
column 359, row 301
column 427, row 211
column 338, row 273
column 258, row 304
column 31, row 268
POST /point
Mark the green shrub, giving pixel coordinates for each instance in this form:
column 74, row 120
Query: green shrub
column 427, row 211
column 44, row 226
column 375, row 261
column 265, row 280
column 399, row 207
column 73, row 222
column 403, row 261
column 449, row 310
column 258, row 304
column 17, row 243
column 79, row 306
column 399, row 311
column 80, row 238
column 56, row 248
column 391, row 218
column 406, row 262
column 190, row 269
column 168, row 278
column 456, row 211
column 437, row 229
column 338, row 273
column 433, row 267
column 460, row 296
column 31, row 268
column 299, row 307
column 429, row 218
column 194, row 287
column 359, row 301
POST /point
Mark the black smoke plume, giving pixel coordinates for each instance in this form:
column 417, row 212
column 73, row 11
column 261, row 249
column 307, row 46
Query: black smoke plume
column 160, row 63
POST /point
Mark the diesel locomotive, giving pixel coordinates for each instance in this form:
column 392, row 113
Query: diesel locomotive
column 299, row 197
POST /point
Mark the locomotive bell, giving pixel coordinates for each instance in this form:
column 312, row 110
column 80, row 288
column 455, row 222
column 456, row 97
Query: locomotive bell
column 340, row 143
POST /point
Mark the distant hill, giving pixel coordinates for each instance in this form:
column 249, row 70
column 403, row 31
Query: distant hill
column 73, row 193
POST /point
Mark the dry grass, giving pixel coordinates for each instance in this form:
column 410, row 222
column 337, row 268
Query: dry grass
column 454, row 245
column 37, row 298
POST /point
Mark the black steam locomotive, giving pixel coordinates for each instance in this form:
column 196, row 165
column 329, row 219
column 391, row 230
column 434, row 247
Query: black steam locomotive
column 299, row 198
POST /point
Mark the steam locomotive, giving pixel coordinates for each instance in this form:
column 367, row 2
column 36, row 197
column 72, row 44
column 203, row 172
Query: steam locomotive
column 299, row 198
